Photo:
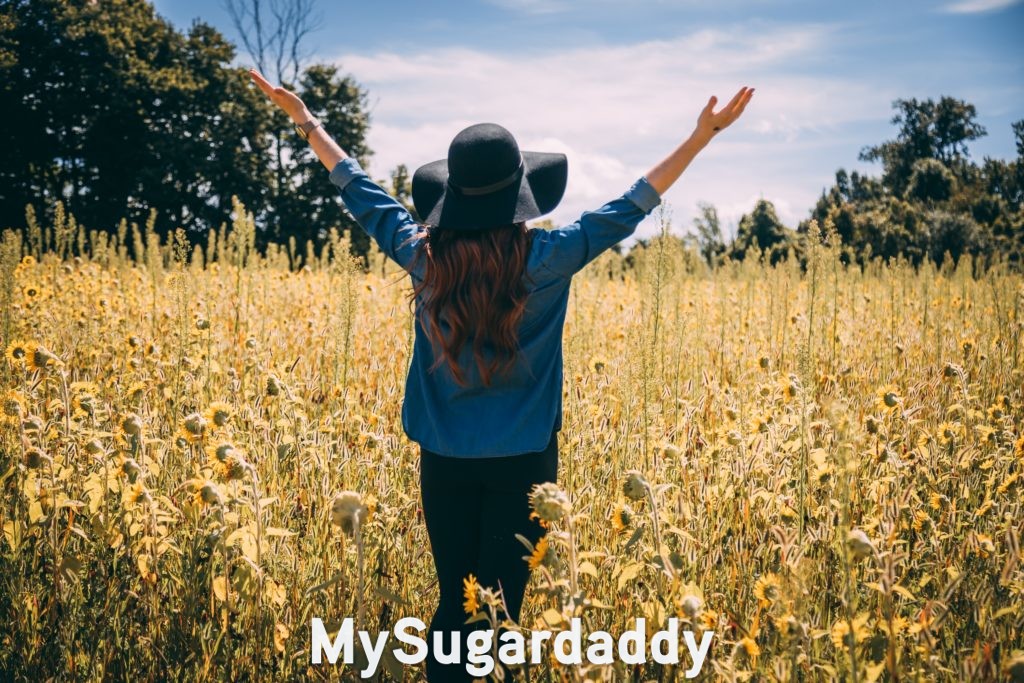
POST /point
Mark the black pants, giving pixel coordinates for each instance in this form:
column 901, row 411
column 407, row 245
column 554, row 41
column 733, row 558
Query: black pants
column 473, row 508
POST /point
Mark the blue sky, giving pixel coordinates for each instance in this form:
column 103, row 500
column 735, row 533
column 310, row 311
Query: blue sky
column 616, row 85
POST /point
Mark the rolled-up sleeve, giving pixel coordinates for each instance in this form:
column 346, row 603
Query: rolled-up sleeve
column 567, row 250
column 383, row 218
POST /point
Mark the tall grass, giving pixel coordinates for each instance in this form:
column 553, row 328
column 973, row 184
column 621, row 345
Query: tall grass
column 823, row 466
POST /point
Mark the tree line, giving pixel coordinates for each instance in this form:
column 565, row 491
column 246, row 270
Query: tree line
column 118, row 116
column 931, row 199
column 111, row 111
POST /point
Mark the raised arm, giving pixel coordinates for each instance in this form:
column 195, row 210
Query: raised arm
column 326, row 149
column 567, row 250
column 382, row 217
column 709, row 124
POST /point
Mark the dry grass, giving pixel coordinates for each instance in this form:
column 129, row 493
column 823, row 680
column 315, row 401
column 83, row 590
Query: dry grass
column 824, row 467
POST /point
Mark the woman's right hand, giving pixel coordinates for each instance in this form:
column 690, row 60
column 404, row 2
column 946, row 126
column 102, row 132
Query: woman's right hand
column 285, row 99
column 710, row 122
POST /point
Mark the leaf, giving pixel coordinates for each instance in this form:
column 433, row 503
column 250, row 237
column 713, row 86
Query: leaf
column 220, row 585
column 634, row 539
column 276, row 531
column 905, row 592
column 35, row 512
column 391, row 596
column 587, row 568
column 628, row 573
column 552, row 617
column 873, row 671
column 392, row 665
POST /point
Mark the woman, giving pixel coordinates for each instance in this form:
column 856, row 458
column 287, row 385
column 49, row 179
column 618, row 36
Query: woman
column 483, row 397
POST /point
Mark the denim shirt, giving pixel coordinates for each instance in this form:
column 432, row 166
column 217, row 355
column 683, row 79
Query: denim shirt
column 519, row 411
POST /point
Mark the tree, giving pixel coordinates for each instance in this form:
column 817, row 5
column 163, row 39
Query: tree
column 761, row 228
column 112, row 111
column 709, row 242
column 927, row 130
column 930, row 181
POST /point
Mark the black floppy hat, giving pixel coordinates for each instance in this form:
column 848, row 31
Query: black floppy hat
column 486, row 182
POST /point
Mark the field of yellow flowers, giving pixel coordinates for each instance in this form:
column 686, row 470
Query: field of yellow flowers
column 202, row 450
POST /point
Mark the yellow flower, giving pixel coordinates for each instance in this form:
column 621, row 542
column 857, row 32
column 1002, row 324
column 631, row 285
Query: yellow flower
column 766, row 589
column 40, row 357
column 540, row 552
column 622, row 518
column 888, row 398
column 193, row 428
column 471, row 593
column 950, row 431
column 13, row 407
column 986, row 434
column 750, row 646
column 218, row 414
column 17, row 352
column 841, row 637
column 788, row 386
column 137, row 494
column 1008, row 482
column 32, row 293
column 208, row 493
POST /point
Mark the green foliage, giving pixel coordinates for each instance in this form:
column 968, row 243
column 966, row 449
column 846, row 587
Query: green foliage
column 931, row 199
column 708, row 241
column 108, row 108
column 930, row 181
column 927, row 130
column 762, row 230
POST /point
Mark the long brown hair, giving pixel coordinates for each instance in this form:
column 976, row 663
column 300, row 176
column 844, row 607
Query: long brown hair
column 473, row 281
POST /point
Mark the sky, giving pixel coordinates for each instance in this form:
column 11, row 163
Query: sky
column 617, row 85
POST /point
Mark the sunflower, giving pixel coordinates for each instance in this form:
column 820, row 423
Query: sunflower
column 766, row 589
column 888, row 398
column 471, row 594
column 622, row 518
column 348, row 511
column 218, row 414
column 208, row 493
column 541, row 553
column 750, row 646
column 39, row 357
column 1018, row 447
column 13, row 406
column 788, row 387
column 135, row 392
column 17, row 352
column 950, row 431
column 137, row 494
column 32, row 293
column 193, row 428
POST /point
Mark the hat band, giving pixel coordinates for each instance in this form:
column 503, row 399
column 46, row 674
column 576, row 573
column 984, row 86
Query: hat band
column 493, row 187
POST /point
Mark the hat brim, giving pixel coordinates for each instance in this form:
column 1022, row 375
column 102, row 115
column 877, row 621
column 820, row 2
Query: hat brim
column 537, row 192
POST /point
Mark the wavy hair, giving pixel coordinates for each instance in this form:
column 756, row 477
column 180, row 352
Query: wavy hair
column 473, row 284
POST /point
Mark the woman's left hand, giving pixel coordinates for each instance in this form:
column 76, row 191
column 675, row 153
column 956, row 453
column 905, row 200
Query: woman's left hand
column 285, row 99
column 711, row 122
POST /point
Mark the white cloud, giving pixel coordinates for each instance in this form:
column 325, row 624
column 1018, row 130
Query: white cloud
column 976, row 6
column 617, row 110
column 532, row 6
